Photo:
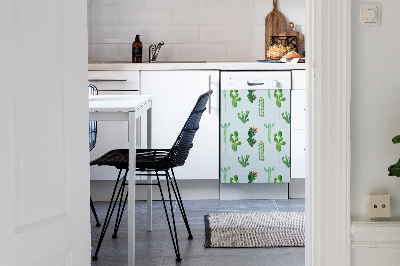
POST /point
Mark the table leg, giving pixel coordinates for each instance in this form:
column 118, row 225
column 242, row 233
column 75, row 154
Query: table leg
column 149, row 178
column 132, row 190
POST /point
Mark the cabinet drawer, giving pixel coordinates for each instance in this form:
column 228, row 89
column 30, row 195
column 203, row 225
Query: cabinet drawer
column 298, row 79
column 115, row 80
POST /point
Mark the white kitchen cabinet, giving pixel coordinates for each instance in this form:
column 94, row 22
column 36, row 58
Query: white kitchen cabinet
column 112, row 134
column 298, row 125
column 298, row 153
column 174, row 96
column 298, row 109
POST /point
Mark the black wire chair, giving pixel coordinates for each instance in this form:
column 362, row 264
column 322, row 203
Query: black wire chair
column 154, row 160
column 92, row 143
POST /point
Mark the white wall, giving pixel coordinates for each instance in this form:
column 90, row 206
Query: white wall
column 375, row 108
column 193, row 30
column 375, row 120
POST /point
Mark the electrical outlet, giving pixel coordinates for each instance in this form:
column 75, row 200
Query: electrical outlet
column 378, row 206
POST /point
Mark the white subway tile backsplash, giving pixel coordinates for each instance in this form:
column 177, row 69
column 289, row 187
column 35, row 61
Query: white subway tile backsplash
column 199, row 16
column 224, row 34
column 115, row 34
column 104, row 52
column 172, row 3
column 226, row 3
column 214, row 3
column 246, row 53
column 192, row 30
column 145, row 17
column 239, row 4
column 105, row 16
column 119, row 3
column 199, row 52
column 246, row 17
column 173, row 34
column 125, row 52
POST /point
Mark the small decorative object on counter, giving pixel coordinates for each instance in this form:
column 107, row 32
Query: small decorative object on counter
column 287, row 41
column 137, row 50
column 299, row 37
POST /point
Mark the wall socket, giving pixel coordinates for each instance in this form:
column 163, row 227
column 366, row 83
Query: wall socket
column 378, row 206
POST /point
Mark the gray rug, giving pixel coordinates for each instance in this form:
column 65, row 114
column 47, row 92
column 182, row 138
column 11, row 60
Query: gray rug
column 271, row 229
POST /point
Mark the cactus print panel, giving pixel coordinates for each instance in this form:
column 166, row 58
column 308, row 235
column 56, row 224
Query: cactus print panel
column 255, row 136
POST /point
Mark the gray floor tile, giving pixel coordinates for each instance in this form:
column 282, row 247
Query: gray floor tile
column 155, row 248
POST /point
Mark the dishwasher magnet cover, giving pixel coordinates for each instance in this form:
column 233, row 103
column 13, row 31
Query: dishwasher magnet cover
column 255, row 136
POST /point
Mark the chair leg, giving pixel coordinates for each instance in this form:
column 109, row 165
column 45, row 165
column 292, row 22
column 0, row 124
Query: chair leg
column 109, row 213
column 120, row 211
column 94, row 213
column 180, row 203
column 174, row 239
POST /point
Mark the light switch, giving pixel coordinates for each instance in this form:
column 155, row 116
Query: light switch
column 369, row 14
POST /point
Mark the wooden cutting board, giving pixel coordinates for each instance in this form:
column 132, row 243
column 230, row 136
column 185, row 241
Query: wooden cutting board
column 292, row 32
column 275, row 23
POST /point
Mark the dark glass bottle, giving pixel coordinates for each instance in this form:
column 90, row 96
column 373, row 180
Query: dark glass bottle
column 137, row 50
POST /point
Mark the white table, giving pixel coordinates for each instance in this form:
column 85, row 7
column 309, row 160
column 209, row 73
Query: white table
column 127, row 108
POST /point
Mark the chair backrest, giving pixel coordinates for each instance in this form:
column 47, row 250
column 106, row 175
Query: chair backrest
column 92, row 124
column 180, row 150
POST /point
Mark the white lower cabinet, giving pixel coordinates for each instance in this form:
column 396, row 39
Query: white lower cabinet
column 298, row 124
column 174, row 96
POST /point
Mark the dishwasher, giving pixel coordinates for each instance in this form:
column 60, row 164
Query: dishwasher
column 255, row 126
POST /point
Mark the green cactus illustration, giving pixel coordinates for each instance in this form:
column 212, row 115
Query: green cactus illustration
column 252, row 132
column 278, row 94
column 269, row 94
column 244, row 117
column 261, row 151
column 224, row 93
column 252, row 176
column 235, row 141
column 279, row 141
column 234, row 178
column 244, row 161
column 286, row 117
column 269, row 127
column 279, row 178
column 269, row 172
column 251, row 96
column 261, row 107
column 225, row 172
column 225, row 128
column 286, row 161
column 235, row 99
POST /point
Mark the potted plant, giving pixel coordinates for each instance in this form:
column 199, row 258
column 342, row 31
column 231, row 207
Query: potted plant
column 394, row 170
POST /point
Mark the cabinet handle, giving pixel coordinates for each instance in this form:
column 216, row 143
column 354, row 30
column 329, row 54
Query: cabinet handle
column 254, row 83
column 100, row 80
column 209, row 99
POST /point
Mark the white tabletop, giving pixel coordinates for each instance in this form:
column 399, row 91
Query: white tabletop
column 117, row 103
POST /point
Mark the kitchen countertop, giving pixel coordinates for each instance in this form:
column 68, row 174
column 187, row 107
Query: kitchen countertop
column 195, row 66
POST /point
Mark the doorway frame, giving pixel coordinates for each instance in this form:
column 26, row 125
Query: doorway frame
column 328, row 223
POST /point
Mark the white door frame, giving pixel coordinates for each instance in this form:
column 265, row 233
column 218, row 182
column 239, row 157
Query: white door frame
column 328, row 138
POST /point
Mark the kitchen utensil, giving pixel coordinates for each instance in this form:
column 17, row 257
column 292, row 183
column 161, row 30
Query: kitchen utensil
column 292, row 32
column 275, row 23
